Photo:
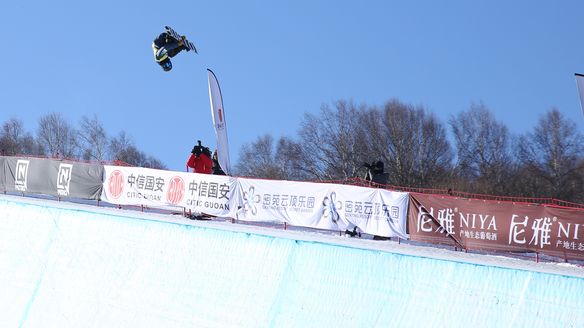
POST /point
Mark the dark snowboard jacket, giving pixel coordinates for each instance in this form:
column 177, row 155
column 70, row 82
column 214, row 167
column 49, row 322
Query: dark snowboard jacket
column 169, row 43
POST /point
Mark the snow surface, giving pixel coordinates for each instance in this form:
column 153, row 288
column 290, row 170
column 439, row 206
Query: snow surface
column 66, row 264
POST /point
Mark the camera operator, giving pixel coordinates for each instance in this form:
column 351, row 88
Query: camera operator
column 375, row 172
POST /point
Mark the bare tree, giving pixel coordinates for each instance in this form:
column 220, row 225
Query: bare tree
column 373, row 136
column 30, row 146
column 417, row 152
column 483, row 150
column 331, row 142
column 290, row 159
column 122, row 148
column 14, row 140
column 412, row 143
column 10, row 136
column 118, row 145
column 552, row 157
column 153, row 163
column 93, row 139
column 266, row 159
column 258, row 160
column 57, row 136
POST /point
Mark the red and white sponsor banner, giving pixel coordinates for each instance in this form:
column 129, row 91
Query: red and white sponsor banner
column 201, row 193
column 477, row 224
column 325, row 206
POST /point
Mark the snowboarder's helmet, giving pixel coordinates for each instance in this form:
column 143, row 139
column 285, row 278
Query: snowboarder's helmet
column 166, row 65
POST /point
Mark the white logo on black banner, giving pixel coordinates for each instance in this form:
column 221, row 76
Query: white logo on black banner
column 21, row 175
column 63, row 179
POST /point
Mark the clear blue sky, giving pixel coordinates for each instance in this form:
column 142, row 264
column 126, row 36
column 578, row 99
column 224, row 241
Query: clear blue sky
column 276, row 60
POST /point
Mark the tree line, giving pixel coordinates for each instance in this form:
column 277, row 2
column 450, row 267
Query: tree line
column 56, row 137
column 473, row 152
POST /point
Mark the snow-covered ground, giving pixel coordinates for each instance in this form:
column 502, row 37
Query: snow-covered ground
column 67, row 264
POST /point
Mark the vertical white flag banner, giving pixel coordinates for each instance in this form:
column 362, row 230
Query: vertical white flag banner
column 580, row 83
column 219, row 123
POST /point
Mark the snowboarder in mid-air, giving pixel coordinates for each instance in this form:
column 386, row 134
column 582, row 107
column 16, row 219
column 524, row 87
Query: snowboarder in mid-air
column 167, row 45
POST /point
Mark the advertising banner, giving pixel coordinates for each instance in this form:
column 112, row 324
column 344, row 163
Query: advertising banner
column 201, row 193
column 497, row 226
column 53, row 177
column 324, row 206
column 219, row 122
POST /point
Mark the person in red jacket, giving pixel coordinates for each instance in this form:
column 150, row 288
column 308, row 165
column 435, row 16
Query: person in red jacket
column 200, row 159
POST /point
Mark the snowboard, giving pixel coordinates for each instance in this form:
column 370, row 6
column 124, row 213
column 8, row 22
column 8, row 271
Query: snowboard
column 188, row 44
